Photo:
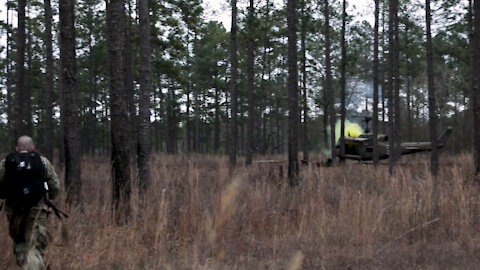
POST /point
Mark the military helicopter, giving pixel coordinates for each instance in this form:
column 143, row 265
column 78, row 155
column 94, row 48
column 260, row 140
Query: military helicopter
column 361, row 148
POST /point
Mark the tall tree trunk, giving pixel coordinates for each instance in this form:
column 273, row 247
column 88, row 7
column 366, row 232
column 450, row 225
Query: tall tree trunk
column 471, row 62
column 120, row 159
column 233, row 88
column 107, row 125
column 93, row 90
column 432, row 109
column 129, row 81
column 396, row 75
column 278, row 135
column 343, row 83
column 197, row 122
column 292, row 95
column 476, row 87
column 144, row 143
column 171, row 114
column 325, row 118
column 48, row 96
column 375, row 84
column 92, row 117
column 250, row 84
column 27, row 101
column 409, row 95
column 304, row 83
column 164, row 107
column 272, row 129
column 20, row 71
column 61, row 143
column 157, row 116
column 188, row 122
column 69, row 107
column 263, row 84
column 189, row 102
column 216, row 135
column 391, row 78
column 10, row 117
column 242, row 132
column 328, row 82
column 272, row 122
column 227, row 122
column 196, row 94
column 382, row 71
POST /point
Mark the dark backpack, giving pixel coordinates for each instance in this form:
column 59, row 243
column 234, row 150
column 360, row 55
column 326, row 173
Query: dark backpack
column 24, row 184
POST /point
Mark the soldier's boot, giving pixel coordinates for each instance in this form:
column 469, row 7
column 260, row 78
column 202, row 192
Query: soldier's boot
column 35, row 261
column 20, row 250
column 36, row 236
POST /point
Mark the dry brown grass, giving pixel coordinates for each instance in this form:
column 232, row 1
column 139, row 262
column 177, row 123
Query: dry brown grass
column 196, row 216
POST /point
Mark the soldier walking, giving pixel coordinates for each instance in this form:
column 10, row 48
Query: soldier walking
column 27, row 181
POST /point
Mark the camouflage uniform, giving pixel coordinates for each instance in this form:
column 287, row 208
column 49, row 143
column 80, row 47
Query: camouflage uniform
column 29, row 229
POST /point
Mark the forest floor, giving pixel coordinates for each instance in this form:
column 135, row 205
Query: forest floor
column 196, row 216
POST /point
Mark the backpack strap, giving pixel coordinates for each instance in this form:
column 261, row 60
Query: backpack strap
column 38, row 159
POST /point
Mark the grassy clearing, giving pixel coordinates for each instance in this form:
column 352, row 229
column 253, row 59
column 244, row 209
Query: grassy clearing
column 196, row 216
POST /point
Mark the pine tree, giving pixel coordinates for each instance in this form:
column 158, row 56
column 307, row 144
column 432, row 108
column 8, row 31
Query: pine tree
column 20, row 72
column 48, row 97
column 396, row 76
column 233, row 88
column 144, row 143
column 9, row 111
column 408, row 82
column 28, row 76
column 343, row 83
column 68, row 103
column 375, row 83
column 432, row 112
column 304, row 82
column 120, row 160
column 250, row 83
column 391, row 84
column 476, row 86
column 328, row 82
column 129, row 79
column 292, row 94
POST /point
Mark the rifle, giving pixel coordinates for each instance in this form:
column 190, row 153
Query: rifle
column 59, row 213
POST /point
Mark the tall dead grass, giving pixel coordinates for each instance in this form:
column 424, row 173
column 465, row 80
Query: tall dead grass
column 198, row 216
